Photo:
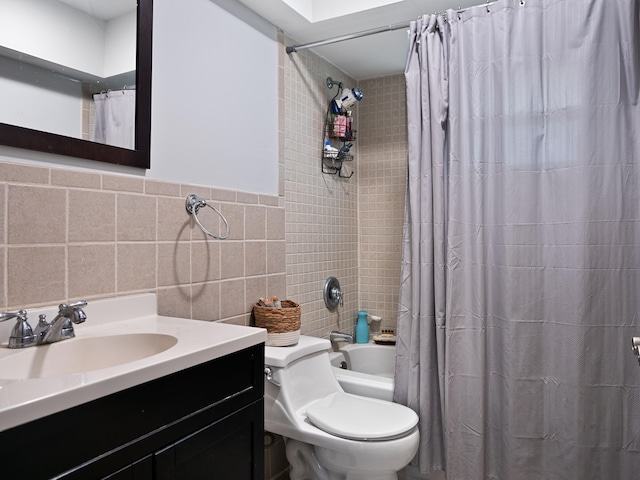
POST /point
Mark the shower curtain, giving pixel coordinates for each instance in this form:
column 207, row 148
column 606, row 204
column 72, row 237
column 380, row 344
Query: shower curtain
column 114, row 122
column 521, row 256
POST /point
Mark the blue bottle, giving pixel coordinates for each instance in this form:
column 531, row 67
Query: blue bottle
column 362, row 328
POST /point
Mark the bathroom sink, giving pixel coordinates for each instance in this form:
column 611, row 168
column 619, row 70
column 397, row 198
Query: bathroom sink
column 80, row 355
column 122, row 344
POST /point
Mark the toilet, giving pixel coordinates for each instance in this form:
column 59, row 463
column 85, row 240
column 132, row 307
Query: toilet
column 330, row 434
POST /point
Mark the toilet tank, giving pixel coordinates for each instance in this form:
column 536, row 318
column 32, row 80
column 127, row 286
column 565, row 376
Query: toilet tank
column 283, row 356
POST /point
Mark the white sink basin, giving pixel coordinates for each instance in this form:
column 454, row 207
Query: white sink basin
column 123, row 343
column 80, row 355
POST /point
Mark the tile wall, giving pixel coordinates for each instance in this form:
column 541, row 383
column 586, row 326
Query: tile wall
column 321, row 211
column 382, row 180
column 347, row 228
column 74, row 234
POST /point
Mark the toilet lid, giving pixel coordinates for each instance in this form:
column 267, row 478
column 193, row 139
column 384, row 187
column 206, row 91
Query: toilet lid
column 361, row 418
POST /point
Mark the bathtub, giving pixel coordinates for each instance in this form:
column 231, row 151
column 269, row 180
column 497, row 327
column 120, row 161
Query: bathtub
column 365, row 369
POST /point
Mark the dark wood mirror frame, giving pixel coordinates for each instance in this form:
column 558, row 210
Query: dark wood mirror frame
column 30, row 139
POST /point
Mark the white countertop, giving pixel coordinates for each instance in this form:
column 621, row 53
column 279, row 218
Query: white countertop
column 26, row 399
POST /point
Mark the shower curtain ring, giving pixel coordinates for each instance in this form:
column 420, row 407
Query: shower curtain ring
column 193, row 203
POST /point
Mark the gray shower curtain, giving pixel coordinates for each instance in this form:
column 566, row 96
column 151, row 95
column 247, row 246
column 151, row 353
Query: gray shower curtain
column 521, row 259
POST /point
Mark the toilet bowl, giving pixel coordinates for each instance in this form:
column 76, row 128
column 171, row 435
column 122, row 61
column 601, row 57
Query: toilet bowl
column 330, row 434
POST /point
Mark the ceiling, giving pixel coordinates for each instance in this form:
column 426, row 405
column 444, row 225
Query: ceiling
column 102, row 9
column 363, row 58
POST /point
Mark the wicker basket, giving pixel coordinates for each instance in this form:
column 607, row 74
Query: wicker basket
column 282, row 324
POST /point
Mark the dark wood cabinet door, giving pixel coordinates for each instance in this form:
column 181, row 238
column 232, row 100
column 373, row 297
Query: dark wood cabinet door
column 140, row 470
column 223, row 450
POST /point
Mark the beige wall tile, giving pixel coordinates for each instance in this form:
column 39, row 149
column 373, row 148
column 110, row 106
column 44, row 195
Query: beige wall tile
column 254, row 223
column 12, row 172
column 174, row 223
column 92, row 216
column 206, row 301
column 136, row 267
column 137, row 219
column 269, row 200
column 92, row 270
column 3, row 216
column 175, row 301
column 231, row 259
column 248, row 198
column 174, row 266
column 122, row 183
column 232, row 300
column 243, row 319
column 255, row 258
column 277, row 285
column 276, row 257
column 275, row 223
column 35, row 275
column 75, row 178
column 281, row 177
column 3, row 270
column 205, row 261
column 115, row 247
column 321, row 211
column 37, row 215
column 235, row 216
column 256, row 288
column 382, row 178
column 222, row 195
column 157, row 187
column 199, row 190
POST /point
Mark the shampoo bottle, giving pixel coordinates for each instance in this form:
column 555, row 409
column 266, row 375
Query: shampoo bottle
column 362, row 328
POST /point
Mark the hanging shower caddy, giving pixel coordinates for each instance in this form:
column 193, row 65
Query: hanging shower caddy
column 338, row 132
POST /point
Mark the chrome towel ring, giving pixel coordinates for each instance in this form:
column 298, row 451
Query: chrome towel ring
column 194, row 203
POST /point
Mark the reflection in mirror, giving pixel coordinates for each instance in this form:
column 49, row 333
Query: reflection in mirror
column 51, row 77
column 75, row 77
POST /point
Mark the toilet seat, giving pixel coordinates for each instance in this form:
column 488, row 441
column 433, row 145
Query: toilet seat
column 361, row 418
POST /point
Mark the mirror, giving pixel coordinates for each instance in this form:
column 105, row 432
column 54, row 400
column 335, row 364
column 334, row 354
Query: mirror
column 51, row 79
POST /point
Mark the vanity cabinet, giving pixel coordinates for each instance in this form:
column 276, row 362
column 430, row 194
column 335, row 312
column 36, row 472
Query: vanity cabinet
column 203, row 422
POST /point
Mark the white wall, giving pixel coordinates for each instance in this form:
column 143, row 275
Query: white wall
column 36, row 92
column 215, row 99
column 47, row 95
column 119, row 52
column 63, row 35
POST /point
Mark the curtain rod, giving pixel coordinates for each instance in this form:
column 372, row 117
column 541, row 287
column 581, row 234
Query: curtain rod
column 364, row 33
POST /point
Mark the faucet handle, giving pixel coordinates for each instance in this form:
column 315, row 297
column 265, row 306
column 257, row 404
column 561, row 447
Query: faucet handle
column 79, row 304
column 20, row 315
column 21, row 333
column 73, row 311
column 69, row 307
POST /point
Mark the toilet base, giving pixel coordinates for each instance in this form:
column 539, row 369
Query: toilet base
column 305, row 465
column 303, row 462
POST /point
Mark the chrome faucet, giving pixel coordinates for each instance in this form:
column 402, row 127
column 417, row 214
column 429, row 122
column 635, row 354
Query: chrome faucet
column 60, row 328
column 337, row 337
